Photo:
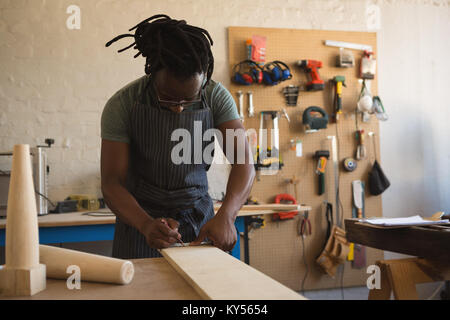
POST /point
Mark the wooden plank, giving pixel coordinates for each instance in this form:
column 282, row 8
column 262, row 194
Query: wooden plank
column 214, row 274
column 154, row 279
column 416, row 241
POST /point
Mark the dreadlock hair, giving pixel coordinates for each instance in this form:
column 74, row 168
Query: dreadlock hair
column 173, row 44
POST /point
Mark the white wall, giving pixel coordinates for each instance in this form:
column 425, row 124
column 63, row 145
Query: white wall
column 413, row 82
column 54, row 82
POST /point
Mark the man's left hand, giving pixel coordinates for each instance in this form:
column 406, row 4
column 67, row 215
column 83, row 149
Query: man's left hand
column 220, row 230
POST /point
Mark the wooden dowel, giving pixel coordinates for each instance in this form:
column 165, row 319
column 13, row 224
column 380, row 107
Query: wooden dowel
column 93, row 267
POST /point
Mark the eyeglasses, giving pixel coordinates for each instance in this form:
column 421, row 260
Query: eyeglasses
column 183, row 103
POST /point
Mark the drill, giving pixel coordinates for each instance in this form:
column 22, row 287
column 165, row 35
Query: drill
column 311, row 67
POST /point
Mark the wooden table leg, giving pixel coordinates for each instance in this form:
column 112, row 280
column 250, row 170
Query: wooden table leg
column 403, row 283
column 401, row 276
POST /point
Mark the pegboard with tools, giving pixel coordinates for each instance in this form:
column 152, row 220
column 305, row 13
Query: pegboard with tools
column 279, row 250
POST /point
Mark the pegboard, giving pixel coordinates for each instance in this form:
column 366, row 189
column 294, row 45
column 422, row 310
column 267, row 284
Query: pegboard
column 277, row 249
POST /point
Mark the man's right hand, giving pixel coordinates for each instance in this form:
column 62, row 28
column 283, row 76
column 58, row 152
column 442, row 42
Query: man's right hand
column 161, row 233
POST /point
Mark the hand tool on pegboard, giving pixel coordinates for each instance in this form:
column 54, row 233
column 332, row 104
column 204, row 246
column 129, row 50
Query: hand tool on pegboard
column 368, row 65
column 305, row 225
column 335, row 156
column 241, row 104
column 291, row 94
column 251, row 109
column 286, row 199
column 338, row 81
column 311, row 67
column 321, row 156
column 345, row 59
column 328, row 206
column 379, row 110
column 359, row 251
column 335, row 252
column 269, row 158
column 329, row 217
column 284, row 114
column 314, row 118
column 349, row 164
column 361, row 152
column 297, row 146
column 358, row 197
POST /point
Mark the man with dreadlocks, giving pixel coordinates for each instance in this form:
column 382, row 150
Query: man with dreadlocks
column 156, row 201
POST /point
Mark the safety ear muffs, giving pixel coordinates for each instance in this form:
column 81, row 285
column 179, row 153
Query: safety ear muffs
column 271, row 74
column 244, row 79
column 285, row 73
column 247, row 78
column 257, row 74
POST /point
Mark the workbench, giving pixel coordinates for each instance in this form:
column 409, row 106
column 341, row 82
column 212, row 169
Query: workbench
column 79, row 227
column 157, row 279
column 154, row 279
column 431, row 245
column 70, row 227
column 431, row 242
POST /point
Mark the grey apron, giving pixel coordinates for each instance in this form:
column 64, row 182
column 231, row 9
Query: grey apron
column 162, row 188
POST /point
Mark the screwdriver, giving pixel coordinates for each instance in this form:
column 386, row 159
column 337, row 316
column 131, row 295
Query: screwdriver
column 179, row 240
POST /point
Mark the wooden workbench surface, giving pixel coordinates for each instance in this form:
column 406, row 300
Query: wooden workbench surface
column 154, row 279
column 70, row 219
column 79, row 218
column 423, row 241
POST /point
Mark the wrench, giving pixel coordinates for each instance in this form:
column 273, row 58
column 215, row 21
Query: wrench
column 241, row 104
column 251, row 110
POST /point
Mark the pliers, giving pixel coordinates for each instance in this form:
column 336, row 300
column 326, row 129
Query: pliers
column 305, row 228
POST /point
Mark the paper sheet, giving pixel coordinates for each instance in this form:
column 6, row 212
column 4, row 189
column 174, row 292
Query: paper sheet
column 408, row 221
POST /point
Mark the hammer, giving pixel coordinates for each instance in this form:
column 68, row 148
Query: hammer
column 339, row 81
column 321, row 156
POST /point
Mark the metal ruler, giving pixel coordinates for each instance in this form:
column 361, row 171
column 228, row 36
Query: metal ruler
column 348, row 45
column 186, row 244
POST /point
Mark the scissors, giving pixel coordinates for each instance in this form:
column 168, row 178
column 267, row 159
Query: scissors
column 305, row 228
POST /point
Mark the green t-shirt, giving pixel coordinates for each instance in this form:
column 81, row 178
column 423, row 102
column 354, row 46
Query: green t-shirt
column 115, row 117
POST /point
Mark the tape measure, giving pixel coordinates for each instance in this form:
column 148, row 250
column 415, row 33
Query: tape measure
column 349, row 164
